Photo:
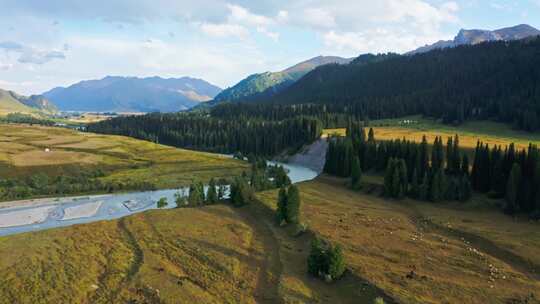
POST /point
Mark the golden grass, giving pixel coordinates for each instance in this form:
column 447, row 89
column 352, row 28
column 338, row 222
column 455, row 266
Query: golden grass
column 206, row 255
column 22, row 153
column 469, row 133
column 385, row 240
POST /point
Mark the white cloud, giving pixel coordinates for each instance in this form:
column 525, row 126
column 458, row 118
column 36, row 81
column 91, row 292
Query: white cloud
column 28, row 54
column 318, row 18
column 225, row 30
column 241, row 15
column 239, row 20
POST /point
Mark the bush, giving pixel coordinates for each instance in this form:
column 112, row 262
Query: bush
column 326, row 261
column 162, row 203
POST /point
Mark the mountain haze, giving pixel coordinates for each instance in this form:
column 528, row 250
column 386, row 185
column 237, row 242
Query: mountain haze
column 471, row 37
column 269, row 83
column 133, row 94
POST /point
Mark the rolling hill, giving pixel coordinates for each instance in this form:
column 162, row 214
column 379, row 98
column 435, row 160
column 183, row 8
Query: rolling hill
column 11, row 102
column 270, row 83
column 132, row 94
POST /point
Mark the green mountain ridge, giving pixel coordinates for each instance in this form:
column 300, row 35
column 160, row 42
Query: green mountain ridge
column 11, row 102
column 269, row 83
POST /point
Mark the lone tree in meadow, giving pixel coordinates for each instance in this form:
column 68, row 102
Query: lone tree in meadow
column 288, row 205
column 293, row 205
column 281, row 212
column 326, row 261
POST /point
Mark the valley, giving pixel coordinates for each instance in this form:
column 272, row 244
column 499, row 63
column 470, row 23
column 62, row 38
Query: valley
column 383, row 152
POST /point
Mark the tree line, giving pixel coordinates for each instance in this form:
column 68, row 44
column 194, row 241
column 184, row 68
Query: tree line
column 214, row 134
column 440, row 172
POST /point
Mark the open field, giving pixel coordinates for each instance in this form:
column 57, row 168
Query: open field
column 469, row 133
column 384, row 241
column 206, row 255
column 23, row 153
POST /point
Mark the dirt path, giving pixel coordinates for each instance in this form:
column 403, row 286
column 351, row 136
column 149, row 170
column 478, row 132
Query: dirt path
column 111, row 296
column 267, row 289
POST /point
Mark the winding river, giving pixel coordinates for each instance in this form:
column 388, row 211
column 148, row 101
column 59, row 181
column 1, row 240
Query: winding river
column 42, row 214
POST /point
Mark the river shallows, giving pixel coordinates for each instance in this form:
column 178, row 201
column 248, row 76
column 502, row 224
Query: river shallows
column 61, row 212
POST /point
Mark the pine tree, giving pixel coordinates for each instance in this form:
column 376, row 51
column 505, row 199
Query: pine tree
column 196, row 197
column 512, row 188
column 437, row 184
column 414, row 191
column 336, row 262
column 423, row 193
column 282, row 205
column 356, row 173
column 389, row 178
column 211, row 196
column 293, row 205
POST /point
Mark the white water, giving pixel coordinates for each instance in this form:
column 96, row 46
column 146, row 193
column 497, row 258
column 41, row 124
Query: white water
column 61, row 212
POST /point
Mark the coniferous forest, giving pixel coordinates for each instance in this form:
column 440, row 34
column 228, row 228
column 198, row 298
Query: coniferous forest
column 498, row 81
column 208, row 133
column 442, row 171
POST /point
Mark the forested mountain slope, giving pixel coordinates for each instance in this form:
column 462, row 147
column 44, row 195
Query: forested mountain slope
column 269, row 83
column 495, row 80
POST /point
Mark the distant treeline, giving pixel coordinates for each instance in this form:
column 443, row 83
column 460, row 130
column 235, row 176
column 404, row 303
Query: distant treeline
column 76, row 181
column 497, row 80
column 215, row 134
column 25, row 119
column 442, row 172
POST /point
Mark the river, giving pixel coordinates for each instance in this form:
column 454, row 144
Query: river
column 42, row 214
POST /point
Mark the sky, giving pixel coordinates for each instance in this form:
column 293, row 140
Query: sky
column 45, row 44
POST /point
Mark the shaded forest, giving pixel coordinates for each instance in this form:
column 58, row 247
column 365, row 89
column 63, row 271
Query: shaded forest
column 214, row 134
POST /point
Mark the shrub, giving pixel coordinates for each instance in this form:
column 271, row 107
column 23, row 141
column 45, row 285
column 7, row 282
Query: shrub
column 162, row 203
column 326, row 261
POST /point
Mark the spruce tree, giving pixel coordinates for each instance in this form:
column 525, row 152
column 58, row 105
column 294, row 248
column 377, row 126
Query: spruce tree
column 512, row 188
column 282, row 205
column 356, row 173
column 414, row 191
column 293, row 205
column 389, row 178
column 423, row 193
column 211, row 196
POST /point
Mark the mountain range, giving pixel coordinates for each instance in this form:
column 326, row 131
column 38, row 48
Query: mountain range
column 472, row 37
column 133, row 94
column 269, row 83
column 11, row 102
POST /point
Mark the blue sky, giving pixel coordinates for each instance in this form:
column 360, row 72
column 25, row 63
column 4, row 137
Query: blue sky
column 44, row 44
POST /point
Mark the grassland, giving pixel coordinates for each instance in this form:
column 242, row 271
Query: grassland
column 206, row 255
column 23, row 152
column 407, row 249
column 492, row 133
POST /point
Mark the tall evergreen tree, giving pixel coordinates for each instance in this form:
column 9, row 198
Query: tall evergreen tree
column 293, row 205
column 512, row 188
column 356, row 173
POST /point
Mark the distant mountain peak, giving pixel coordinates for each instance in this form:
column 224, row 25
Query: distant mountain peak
column 475, row 36
column 133, row 94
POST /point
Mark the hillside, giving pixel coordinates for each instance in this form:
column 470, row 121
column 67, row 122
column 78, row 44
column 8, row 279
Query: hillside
column 472, row 37
column 132, row 94
column 496, row 81
column 270, row 83
column 11, row 102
